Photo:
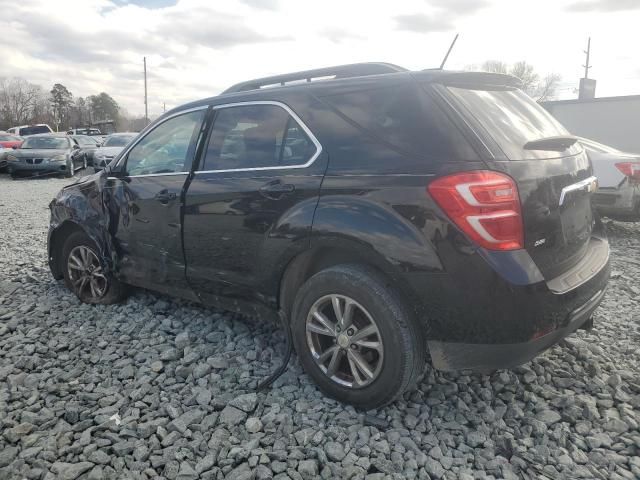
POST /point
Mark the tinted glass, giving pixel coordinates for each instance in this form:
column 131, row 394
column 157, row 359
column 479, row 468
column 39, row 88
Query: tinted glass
column 405, row 118
column 256, row 136
column 118, row 140
column 168, row 148
column 34, row 130
column 512, row 119
column 53, row 143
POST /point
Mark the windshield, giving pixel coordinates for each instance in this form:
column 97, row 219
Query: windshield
column 51, row 143
column 596, row 147
column 34, row 130
column 512, row 119
column 118, row 140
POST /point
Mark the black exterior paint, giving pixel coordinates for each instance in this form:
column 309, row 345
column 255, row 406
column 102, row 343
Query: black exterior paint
column 223, row 241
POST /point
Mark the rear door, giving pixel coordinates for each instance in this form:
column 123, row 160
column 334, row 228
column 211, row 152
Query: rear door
column 555, row 185
column 249, row 208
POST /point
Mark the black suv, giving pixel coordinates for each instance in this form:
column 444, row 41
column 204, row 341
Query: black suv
column 384, row 213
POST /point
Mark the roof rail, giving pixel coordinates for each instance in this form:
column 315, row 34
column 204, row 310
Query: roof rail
column 341, row 71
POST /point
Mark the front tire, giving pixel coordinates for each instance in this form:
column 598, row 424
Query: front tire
column 84, row 275
column 356, row 337
column 68, row 173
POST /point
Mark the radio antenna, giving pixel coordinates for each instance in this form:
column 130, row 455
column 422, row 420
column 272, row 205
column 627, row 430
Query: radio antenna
column 444, row 60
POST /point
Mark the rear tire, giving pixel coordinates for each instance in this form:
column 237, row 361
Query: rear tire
column 371, row 369
column 83, row 272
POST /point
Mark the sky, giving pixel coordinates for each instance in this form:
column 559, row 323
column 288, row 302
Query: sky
column 197, row 48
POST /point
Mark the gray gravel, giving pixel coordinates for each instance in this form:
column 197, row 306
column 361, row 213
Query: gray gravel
column 159, row 388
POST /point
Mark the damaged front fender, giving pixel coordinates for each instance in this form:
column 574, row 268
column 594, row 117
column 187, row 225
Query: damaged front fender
column 87, row 205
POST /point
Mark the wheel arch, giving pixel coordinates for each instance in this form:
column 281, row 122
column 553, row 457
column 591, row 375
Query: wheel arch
column 56, row 242
column 325, row 253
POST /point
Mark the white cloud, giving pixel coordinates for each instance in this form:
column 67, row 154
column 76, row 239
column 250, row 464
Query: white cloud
column 197, row 48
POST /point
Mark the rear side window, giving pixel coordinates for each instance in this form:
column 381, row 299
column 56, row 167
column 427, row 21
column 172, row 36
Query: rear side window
column 512, row 119
column 257, row 136
column 406, row 118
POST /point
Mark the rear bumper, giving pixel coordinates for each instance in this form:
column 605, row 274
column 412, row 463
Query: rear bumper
column 483, row 357
column 621, row 201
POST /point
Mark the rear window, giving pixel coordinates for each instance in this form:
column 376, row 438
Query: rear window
column 407, row 119
column 34, row 130
column 512, row 119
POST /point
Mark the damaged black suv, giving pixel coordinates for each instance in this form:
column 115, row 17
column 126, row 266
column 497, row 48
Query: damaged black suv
column 385, row 214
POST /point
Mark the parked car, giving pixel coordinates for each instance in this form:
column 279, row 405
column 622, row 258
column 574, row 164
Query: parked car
column 84, row 131
column 88, row 146
column 46, row 154
column 10, row 141
column 618, row 194
column 25, row 130
column 380, row 212
column 7, row 143
column 111, row 147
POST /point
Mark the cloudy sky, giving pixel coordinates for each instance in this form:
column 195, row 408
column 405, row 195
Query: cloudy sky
column 196, row 48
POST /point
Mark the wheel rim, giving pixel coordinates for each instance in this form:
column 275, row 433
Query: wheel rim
column 344, row 341
column 85, row 273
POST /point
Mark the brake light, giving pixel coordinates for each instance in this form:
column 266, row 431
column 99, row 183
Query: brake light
column 485, row 205
column 630, row 169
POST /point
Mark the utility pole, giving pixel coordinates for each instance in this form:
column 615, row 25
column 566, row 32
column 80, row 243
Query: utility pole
column 586, row 65
column 164, row 107
column 587, row 85
column 146, row 111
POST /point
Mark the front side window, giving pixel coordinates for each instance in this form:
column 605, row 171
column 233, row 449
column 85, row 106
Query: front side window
column 168, row 148
column 257, row 136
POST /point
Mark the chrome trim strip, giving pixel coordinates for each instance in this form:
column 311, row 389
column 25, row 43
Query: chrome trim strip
column 277, row 167
column 150, row 175
column 587, row 182
column 148, row 129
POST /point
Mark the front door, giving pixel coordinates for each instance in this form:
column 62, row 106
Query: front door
column 249, row 208
column 148, row 193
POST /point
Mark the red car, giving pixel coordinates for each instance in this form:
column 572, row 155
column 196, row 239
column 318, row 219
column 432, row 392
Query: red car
column 10, row 141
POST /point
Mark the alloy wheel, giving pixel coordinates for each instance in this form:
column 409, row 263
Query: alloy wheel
column 344, row 341
column 86, row 274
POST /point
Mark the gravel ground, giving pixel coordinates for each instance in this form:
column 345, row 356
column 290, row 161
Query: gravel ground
column 159, row 388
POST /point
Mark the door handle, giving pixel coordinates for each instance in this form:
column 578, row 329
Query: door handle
column 164, row 196
column 276, row 189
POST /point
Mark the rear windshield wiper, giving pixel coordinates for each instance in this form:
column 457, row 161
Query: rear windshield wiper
column 555, row 144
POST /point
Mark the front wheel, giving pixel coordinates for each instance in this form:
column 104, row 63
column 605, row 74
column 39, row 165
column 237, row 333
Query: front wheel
column 355, row 336
column 68, row 173
column 84, row 274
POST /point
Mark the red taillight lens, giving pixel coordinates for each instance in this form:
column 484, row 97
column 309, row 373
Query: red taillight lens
column 630, row 169
column 483, row 204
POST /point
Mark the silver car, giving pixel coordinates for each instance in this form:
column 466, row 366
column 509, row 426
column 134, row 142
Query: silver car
column 618, row 194
column 111, row 147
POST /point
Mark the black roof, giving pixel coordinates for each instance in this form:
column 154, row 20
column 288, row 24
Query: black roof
column 353, row 73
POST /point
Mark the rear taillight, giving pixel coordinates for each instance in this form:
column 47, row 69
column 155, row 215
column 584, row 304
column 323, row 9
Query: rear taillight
column 483, row 204
column 630, row 169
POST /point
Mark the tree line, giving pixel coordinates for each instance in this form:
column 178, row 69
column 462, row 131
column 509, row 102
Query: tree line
column 25, row 103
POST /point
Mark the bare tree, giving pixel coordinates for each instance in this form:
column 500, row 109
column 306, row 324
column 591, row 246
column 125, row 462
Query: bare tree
column 18, row 99
column 538, row 88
